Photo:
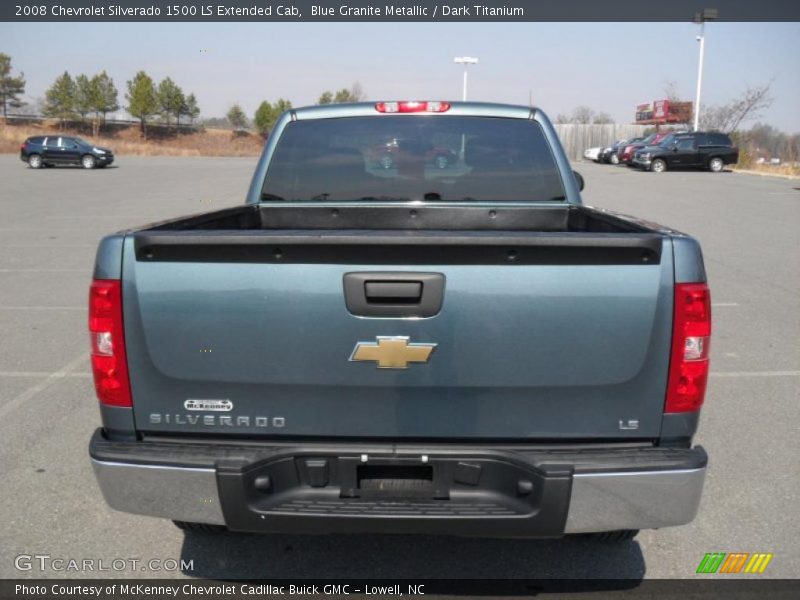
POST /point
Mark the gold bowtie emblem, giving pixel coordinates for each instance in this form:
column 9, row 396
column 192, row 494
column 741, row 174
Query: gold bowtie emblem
column 392, row 352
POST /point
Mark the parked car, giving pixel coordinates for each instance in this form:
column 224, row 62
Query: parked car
column 52, row 150
column 699, row 150
column 608, row 155
column 625, row 149
column 592, row 154
column 386, row 362
column 651, row 140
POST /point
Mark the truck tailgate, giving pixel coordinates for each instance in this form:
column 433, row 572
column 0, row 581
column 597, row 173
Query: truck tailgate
column 539, row 337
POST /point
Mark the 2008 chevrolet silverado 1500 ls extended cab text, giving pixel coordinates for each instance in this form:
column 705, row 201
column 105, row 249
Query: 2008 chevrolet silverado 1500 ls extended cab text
column 459, row 348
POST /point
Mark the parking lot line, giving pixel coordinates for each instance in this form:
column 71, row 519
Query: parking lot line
column 48, row 245
column 756, row 374
column 43, row 308
column 35, row 374
column 48, row 381
column 44, row 270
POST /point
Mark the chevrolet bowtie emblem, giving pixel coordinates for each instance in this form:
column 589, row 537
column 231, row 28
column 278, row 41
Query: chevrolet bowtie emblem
column 392, row 352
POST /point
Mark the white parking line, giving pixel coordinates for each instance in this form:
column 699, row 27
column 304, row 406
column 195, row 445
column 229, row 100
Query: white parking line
column 756, row 374
column 43, row 308
column 50, row 380
column 715, row 304
column 35, row 374
column 86, row 270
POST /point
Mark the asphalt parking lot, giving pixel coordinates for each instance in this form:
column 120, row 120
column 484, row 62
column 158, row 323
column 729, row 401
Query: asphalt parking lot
column 52, row 219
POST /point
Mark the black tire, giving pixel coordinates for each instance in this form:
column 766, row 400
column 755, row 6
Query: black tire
column 621, row 535
column 716, row 164
column 200, row 527
column 88, row 161
column 35, row 161
column 658, row 166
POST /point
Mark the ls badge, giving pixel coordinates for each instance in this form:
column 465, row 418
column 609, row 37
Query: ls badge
column 392, row 352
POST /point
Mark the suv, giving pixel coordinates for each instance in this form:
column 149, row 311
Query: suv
column 710, row 151
column 52, row 150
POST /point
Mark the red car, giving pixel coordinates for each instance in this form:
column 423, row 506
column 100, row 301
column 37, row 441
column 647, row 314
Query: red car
column 630, row 149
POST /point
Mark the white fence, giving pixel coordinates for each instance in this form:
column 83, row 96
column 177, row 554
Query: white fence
column 577, row 138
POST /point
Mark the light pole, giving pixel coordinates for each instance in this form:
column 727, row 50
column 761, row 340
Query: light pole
column 707, row 14
column 466, row 61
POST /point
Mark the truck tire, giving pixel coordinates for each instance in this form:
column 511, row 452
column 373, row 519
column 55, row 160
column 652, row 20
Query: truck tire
column 88, row 161
column 658, row 166
column 200, row 527
column 620, row 535
column 35, row 161
column 716, row 165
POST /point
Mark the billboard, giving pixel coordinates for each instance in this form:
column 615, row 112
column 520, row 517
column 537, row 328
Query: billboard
column 663, row 111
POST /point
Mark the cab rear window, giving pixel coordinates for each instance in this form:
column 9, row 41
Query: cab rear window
column 408, row 158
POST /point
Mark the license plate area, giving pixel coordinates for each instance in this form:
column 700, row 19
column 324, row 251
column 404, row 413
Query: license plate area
column 395, row 481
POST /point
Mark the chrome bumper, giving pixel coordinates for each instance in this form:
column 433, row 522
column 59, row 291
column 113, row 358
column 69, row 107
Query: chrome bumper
column 634, row 500
column 179, row 493
column 598, row 501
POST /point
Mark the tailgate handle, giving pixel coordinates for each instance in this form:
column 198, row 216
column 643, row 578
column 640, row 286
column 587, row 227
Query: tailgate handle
column 393, row 292
column 401, row 294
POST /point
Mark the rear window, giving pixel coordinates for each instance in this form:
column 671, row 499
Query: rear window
column 718, row 139
column 407, row 158
column 35, row 140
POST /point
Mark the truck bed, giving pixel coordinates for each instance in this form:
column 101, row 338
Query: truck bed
column 455, row 235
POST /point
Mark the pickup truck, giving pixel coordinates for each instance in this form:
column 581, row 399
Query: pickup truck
column 464, row 349
column 697, row 150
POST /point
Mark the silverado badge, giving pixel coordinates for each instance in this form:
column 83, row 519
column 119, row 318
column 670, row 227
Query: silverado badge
column 392, row 352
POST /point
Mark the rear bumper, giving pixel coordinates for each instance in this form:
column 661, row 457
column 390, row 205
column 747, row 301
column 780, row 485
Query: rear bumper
column 338, row 488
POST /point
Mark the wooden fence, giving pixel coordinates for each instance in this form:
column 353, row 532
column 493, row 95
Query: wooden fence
column 577, row 138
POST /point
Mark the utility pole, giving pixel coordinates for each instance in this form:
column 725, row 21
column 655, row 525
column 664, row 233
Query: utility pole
column 466, row 61
column 707, row 14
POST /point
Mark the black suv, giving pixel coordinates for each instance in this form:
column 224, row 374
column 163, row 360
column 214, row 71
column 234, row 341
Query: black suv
column 51, row 150
column 702, row 150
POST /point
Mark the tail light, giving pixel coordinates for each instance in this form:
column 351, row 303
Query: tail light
column 412, row 107
column 109, row 363
column 691, row 336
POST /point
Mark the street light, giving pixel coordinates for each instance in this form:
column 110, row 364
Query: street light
column 465, row 60
column 707, row 14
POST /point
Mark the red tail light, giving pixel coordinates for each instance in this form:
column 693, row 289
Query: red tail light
column 109, row 363
column 412, row 107
column 691, row 338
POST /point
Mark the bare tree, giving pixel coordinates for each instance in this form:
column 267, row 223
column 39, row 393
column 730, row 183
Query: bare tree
column 602, row 118
column 728, row 117
column 671, row 91
column 582, row 115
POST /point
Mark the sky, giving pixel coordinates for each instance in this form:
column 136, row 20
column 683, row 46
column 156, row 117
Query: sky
column 610, row 67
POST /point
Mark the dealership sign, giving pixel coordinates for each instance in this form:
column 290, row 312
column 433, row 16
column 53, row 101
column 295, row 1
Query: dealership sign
column 663, row 111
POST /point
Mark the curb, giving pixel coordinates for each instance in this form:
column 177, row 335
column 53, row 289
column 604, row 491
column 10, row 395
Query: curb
column 764, row 174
